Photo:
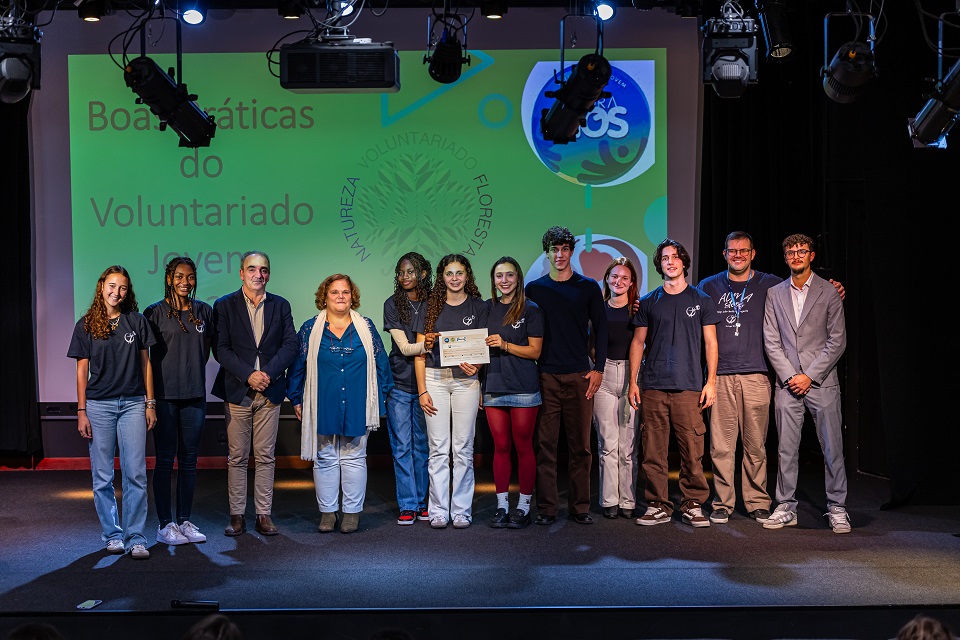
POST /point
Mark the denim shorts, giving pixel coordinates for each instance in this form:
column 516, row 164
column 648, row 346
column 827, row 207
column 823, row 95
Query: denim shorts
column 512, row 399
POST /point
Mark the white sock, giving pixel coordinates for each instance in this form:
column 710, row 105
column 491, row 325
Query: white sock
column 503, row 501
column 524, row 503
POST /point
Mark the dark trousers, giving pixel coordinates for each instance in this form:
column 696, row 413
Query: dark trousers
column 564, row 400
column 177, row 436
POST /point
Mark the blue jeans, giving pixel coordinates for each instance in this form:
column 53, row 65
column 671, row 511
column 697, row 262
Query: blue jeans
column 408, row 440
column 177, row 436
column 119, row 421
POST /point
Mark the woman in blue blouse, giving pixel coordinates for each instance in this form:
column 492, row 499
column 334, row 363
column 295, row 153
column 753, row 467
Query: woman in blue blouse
column 343, row 368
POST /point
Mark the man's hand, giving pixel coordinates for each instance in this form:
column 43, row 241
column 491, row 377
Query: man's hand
column 799, row 384
column 594, row 378
column 839, row 287
column 258, row 381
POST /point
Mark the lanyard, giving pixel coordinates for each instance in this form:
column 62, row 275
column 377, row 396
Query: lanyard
column 738, row 306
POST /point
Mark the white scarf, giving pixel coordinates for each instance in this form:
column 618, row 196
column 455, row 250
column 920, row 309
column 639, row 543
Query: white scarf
column 308, row 424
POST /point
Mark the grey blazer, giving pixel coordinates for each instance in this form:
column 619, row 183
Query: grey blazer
column 812, row 347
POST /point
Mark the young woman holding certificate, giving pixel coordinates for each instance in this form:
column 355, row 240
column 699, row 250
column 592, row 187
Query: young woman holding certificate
column 450, row 396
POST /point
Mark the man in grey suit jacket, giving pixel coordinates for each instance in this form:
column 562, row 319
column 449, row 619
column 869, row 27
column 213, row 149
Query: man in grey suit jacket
column 804, row 335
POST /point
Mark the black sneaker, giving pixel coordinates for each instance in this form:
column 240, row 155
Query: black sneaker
column 499, row 519
column 518, row 519
column 760, row 515
column 719, row 516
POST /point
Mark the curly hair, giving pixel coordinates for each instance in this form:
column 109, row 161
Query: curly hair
column 438, row 296
column 324, row 289
column 424, row 283
column 797, row 238
column 681, row 253
column 173, row 298
column 95, row 320
column 558, row 236
column 519, row 302
column 622, row 261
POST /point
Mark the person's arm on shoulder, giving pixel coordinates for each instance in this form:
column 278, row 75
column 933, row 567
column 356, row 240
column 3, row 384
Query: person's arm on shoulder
column 406, row 347
column 839, row 287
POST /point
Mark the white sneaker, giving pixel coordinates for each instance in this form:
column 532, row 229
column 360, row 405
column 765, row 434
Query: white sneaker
column 438, row 522
column 115, row 545
column 191, row 532
column 780, row 518
column 170, row 534
column 139, row 552
column 461, row 521
column 839, row 519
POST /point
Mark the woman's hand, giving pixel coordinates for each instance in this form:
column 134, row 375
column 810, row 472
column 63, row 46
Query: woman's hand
column 469, row 369
column 494, row 340
column 298, row 409
column 426, row 403
column 429, row 339
column 83, row 425
column 151, row 414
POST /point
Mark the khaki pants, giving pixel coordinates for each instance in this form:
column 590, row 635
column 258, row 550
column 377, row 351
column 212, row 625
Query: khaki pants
column 256, row 421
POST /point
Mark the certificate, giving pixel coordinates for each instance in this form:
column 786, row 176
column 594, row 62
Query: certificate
column 463, row 346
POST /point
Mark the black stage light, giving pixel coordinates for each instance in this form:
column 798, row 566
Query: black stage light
column 849, row 72
column 446, row 62
column 289, row 9
column 730, row 55
column 575, row 98
column 776, row 28
column 19, row 66
column 493, row 9
column 934, row 121
column 170, row 102
column 92, row 10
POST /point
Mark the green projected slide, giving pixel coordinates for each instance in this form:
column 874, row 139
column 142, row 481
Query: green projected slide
column 328, row 183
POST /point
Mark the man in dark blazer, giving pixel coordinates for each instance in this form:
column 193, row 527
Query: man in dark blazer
column 256, row 342
column 804, row 335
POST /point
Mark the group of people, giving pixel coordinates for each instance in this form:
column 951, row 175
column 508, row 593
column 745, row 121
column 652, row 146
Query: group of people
column 564, row 355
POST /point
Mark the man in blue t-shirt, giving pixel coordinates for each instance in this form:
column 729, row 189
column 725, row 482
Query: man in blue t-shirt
column 571, row 305
column 677, row 326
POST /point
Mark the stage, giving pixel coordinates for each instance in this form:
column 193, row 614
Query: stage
column 566, row 580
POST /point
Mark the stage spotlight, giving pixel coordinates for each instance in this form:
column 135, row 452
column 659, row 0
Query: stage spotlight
column 730, row 55
column 605, row 10
column 92, row 10
column 849, row 72
column 289, row 9
column 575, row 98
column 448, row 58
column 19, row 66
column 170, row 102
column 776, row 28
column 194, row 13
column 493, row 9
column 934, row 121
column 342, row 8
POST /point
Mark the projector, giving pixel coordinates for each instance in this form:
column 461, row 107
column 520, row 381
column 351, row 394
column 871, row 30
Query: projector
column 351, row 65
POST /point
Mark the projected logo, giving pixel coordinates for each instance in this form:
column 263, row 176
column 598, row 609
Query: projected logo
column 593, row 263
column 617, row 143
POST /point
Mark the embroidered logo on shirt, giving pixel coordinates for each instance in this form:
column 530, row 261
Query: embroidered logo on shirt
column 692, row 311
column 516, row 325
column 201, row 327
column 129, row 337
column 468, row 320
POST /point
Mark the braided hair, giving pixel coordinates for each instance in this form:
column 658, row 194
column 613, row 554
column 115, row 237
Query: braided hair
column 95, row 320
column 438, row 296
column 173, row 298
column 424, row 283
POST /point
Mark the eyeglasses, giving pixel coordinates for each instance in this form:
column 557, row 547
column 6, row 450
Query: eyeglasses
column 737, row 252
column 800, row 253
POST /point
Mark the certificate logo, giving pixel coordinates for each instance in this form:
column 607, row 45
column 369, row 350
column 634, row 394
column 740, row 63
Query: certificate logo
column 616, row 145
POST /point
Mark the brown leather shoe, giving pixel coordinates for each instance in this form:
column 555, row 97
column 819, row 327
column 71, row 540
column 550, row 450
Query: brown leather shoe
column 265, row 526
column 236, row 526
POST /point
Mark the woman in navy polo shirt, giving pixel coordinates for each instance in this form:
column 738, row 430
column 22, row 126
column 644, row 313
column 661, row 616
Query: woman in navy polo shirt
column 183, row 327
column 450, row 396
column 115, row 404
column 511, row 388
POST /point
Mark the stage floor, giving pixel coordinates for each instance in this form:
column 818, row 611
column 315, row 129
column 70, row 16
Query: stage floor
column 51, row 559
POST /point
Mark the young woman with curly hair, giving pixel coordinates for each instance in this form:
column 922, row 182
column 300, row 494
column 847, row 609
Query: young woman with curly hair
column 115, row 404
column 403, row 315
column 450, row 396
column 183, row 326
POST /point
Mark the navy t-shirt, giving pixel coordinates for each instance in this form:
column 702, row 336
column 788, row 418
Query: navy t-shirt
column 470, row 314
column 179, row 359
column 619, row 332
column 404, row 377
column 740, row 353
column 114, row 367
column 672, row 359
column 508, row 373
column 571, row 308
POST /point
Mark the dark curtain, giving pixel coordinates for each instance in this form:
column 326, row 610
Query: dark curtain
column 19, row 419
column 784, row 158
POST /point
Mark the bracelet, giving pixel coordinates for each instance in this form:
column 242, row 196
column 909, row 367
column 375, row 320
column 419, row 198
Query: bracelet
column 421, row 394
column 506, row 347
column 79, row 409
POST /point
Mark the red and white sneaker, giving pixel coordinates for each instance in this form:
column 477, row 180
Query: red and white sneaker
column 423, row 514
column 407, row 517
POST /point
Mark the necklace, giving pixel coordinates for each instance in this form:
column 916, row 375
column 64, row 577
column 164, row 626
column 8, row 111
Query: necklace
column 616, row 306
column 113, row 323
column 416, row 309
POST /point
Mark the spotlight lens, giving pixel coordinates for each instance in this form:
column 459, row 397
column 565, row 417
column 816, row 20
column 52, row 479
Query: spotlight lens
column 192, row 16
column 604, row 11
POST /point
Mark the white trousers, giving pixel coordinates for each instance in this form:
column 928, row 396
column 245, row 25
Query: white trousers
column 451, row 431
column 341, row 464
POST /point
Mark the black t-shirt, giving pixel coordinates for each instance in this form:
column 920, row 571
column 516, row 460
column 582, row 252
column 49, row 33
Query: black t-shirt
column 508, row 373
column 404, row 376
column 619, row 332
column 469, row 314
column 115, row 368
column 180, row 359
